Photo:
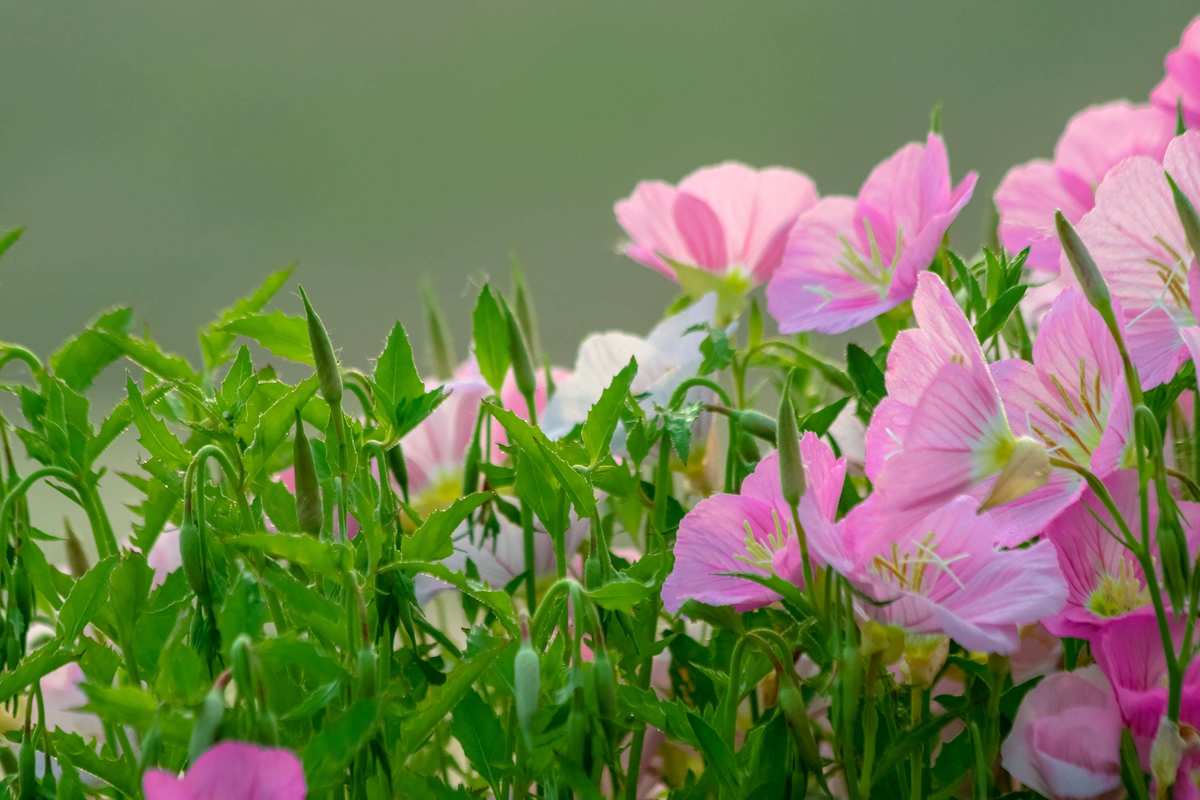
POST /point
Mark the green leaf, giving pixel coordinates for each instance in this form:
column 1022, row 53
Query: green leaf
column 441, row 699
column 85, row 600
column 396, row 377
column 478, row 730
column 680, row 422
column 306, row 606
column 975, row 301
column 72, row 748
column 716, row 350
column 239, row 383
column 603, row 417
column 867, row 377
column 534, row 444
column 155, row 437
column 313, row 554
column 150, row 357
column 282, row 334
column 280, row 505
column 182, row 676
column 994, row 318
column 717, row 755
column 130, row 586
column 9, row 238
column 215, row 342
column 34, row 667
column 819, row 421
column 337, row 743
column 621, row 594
column 490, row 332
column 412, row 411
column 275, row 423
column 85, row 356
column 498, row 601
column 431, row 541
column 244, row 610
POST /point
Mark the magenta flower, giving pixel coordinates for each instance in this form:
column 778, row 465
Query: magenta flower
column 232, row 771
column 1135, row 236
column 752, row 532
column 728, row 218
column 1094, row 141
column 848, row 260
column 1181, row 84
column 1066, row 739
column 946, row 577
column 1104, row 580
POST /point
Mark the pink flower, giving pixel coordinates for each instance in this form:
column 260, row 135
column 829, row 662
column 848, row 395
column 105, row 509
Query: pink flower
column 946, row 577
column 1181, row 84
column 63, row 697
column 232, row 771
column 1038, row 653
column 1135, row 236
column 1104, row 580
column 849, row 260
column 1094, row 141
column 752, row 532
column 722, row 219
column 164, row 557
column 1066, row 739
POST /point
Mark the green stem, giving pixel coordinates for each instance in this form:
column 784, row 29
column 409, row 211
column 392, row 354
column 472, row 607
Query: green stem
column 917, row 759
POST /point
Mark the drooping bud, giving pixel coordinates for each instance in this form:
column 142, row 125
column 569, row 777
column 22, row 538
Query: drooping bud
column 328, row 372
column 795, row 712
column 76, row 558
column 527, row 682
column 755, row 423
column 208, row 721
column 1187, row 216
column 399, row 469
column 1165, row 754
column 191, row 553
column 605, row 683
column 592, row 575
column 367, row 671
column 1027, row 469
column 1087, row 274
column 441, row 344
column 243, row 673
column 1173, row 554
column 791, row 467
column 524, row 370
column 309, row 510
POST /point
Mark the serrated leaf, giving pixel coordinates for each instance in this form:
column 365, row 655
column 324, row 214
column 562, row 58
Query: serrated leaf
column 282, row 334
column 410, row 412
column 679, row 423
column 85, row 599
column 37, row 664
column 155, row 436
column 149, row 356
column 602, row 419
column 396, row 378
column 621, row 594
column 298, row 548
column 432, row 540
column 214, row 342
column 496, row 600
column 489, row 329
column 717, row 755
column 83, row 357
column 337, row 743
column 275, row 423
column 534, row 444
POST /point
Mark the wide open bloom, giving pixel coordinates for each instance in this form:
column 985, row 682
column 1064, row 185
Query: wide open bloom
column 1181, row 83
column 668, row 356
column 946, row 577
column 1104, row 580
column 1138, row 242
column 1094, row 141
column 1066, row 739
column 848, row 260
column 232, row 771
column 942, row 430
column 752, row 532
column 728, row 219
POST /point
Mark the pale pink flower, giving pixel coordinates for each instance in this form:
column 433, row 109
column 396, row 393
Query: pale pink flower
column 1137, row 240
column 1066, row 739
column 1104, row 580
column 232, row 771
column 947, row 577
column 1094, row 141
column 63, row 700
column 164, row 557
column 1038, row 653
column 848, row 260
column 1181, row 83
column 752, row 532
column 723, row 219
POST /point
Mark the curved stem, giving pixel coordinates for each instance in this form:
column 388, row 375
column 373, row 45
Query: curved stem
column 681, row 391
column 89, row 501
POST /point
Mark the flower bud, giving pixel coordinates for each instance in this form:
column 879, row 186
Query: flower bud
column 1165, row 754
column 441, row 344
column 1086, row 272
column 208, row 721
column 1027, row 469
column 77, row 559
column 755, row 423
column 527, row 682
column 924, row 656
column 791, row 703
column 523, row 368
column 1172, row 553
column 191, row 553
column 526, row 315
column 309, row 510
column 606, row 690
column 791, row 468
column 239, row 657
column 367, row 670
column 27, row 767
column 328, row 372
column 1187, row 215
column 399, row 468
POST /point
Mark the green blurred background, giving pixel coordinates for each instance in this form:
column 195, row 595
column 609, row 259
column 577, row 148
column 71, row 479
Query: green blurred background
column 168, row 154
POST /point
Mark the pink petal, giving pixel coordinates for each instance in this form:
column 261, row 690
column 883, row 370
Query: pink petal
column 234, row 771
column 1182, row 79
column 1027, row 199
column 647, row 216
column 701, row 231
column 1099, row 137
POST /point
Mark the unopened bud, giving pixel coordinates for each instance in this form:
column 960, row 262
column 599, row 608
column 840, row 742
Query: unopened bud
column 1172, row 552
column 77, row 560
column 1027, row 469
column 791, row 468
column 605, row 683
column 924, row 656
column 239, row 657
column 309, row 510
column 440, row 342
column 1087, row 274
column 191, row 553
column 328, row 372
column 1165, row 754
column 755, row 423
column 526, row 315
column 367, row 672
column 208, row 721
column 522, row 362
column 527, row 683
column 591, row 572
column 791, row 703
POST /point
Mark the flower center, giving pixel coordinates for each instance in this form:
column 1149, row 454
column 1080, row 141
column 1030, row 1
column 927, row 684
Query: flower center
column 1074, row 429
column 908, row 570
column 870, row 271
column 1118, row 594
column 759, row 554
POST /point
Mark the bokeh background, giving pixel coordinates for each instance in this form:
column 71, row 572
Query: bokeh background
column 168, row 155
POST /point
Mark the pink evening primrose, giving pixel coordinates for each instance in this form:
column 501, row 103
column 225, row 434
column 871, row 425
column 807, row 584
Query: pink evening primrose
column 848, row 260
column 728, row 219
column 232, row 771
column 946, row 577
column 1094, row 141
column 752, row 532
column 1066, row 739
column 1181, row 83
column 1137, row 240
column 1104, row 580
column 942, row 430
